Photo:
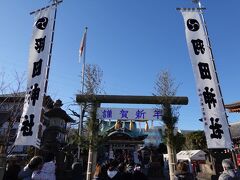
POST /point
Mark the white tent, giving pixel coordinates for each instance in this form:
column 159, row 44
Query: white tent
column 193, row 155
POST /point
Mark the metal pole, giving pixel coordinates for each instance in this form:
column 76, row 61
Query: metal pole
column 209, row 45
column 80, row 125
column 55, row 3
column 51, row 46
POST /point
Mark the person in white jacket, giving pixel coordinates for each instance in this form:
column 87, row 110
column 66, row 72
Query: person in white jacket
column 48, row 170
column 34, row 164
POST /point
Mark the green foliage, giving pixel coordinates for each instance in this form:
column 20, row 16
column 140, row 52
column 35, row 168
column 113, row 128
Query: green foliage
column 84, row 142
column 75, row 139
column 92, row 126
column 179, row 141
column 92, row 86
column 165, row 86
column 196, row 140
column 169, row 121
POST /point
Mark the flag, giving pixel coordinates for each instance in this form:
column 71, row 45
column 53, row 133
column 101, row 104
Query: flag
column 83, row 44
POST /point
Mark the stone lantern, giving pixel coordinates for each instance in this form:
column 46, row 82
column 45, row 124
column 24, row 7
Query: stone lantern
column 53, row 137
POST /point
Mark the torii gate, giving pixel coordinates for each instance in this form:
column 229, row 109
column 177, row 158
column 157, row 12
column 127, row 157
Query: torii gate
column 122, row 99
column 96, row 100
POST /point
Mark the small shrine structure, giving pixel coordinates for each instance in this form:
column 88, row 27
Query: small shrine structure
column 122, row 136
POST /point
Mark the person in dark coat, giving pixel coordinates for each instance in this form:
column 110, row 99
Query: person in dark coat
column 138, row 174
column 182, row 172
column 229, row 172
column 12, row 170
column 104, row 169
column 112, row 172
column 77, row 171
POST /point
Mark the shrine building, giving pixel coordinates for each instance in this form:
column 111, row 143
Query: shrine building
column 235, row 128
column 122, row 136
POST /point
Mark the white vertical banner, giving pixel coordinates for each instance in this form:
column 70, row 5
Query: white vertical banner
column 39, row 55
column 214, row 117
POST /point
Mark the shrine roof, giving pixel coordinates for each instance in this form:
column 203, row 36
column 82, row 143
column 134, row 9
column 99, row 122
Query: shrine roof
column 18, row 94
column 13, row 97
column 109, row 128
column 60, row 113
column 19, row 98
column 233, row 107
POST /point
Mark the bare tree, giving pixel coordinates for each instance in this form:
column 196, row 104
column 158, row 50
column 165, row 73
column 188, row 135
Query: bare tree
column 93, row 86
column 11, row 103
column 165, row 86
column 93, row 79
column 12, row 86
column 12, row 98
column 3, row 84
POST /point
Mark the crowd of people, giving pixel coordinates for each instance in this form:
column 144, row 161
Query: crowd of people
column 38, row 168
column 118, row 170
column 182, row 172
column 121, row 167
column 44, row 168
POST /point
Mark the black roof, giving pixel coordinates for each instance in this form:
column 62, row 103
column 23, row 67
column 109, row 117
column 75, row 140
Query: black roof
column 58, row 112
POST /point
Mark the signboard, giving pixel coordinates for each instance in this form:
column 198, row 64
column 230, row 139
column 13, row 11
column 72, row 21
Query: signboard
column 129, row 113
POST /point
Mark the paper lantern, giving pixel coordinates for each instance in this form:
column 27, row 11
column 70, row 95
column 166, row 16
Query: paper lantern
column 131, row 125
column 146, row 126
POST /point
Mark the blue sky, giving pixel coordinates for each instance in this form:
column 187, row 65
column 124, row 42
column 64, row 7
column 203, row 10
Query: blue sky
column 131, row 41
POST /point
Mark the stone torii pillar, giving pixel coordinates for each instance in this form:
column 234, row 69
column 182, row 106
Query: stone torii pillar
column 127, row 99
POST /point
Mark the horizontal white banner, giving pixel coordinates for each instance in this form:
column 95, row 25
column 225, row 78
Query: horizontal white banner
column 129, row 113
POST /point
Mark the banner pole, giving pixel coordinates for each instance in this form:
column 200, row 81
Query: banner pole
column 210, row 47
column 49, row 62
column 54, row 4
